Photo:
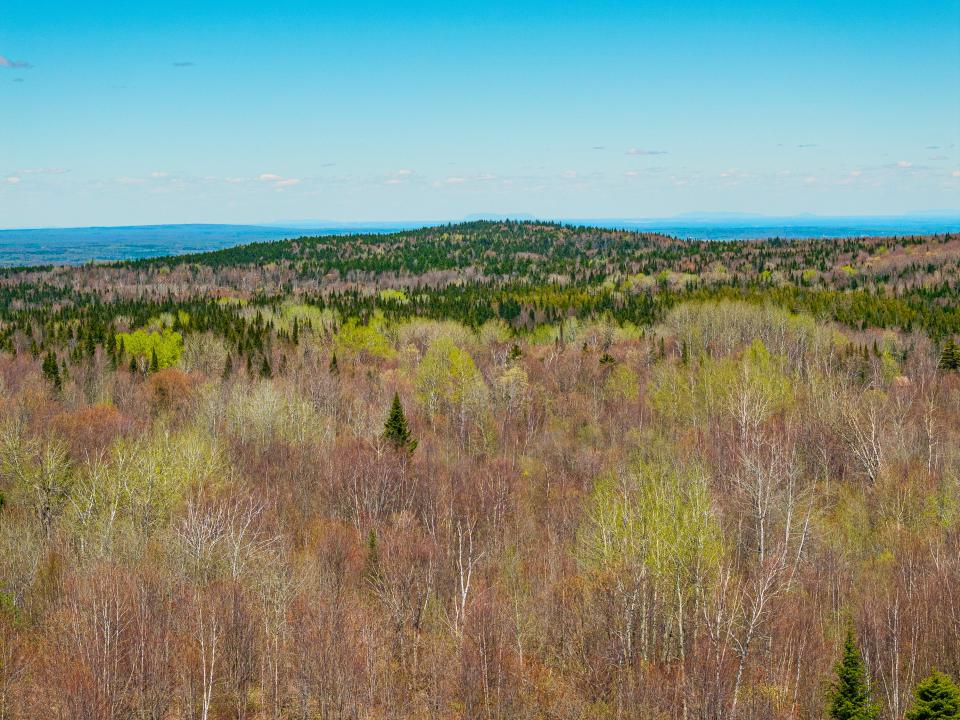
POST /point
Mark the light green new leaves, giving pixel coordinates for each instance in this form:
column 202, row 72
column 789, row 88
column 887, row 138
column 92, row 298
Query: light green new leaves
column 355, row 340
column 168, row 345
column 755, row 382
column 448, row 377
column 621, row 384
column 653, row 520
column 122, row 500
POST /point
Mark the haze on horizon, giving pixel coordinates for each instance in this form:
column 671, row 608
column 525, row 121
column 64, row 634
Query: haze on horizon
column 241, row 112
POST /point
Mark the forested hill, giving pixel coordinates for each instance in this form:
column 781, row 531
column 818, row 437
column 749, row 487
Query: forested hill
column 496, row 248
column 536, row 250
column 524, row 273
column 506, row 471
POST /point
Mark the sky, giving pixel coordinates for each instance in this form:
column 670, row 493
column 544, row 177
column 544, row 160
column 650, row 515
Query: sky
column 116, row 113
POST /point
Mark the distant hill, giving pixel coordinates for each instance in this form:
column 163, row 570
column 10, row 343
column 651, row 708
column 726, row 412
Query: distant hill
column 79, row 245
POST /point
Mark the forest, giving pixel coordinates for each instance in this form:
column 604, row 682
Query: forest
column 495, row 470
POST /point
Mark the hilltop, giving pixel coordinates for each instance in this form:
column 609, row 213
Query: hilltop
column 528, row 273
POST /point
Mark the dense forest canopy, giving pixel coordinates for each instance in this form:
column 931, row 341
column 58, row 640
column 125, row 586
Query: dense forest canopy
column 488, row 470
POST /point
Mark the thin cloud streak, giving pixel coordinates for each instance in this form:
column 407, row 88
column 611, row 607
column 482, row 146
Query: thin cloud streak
column 14, row 64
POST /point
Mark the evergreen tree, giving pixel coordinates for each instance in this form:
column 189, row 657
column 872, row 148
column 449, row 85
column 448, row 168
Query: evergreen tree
column 51, row 370
column 371, row 570
column 850, row 697
column 265, row 370
column 334, row 366
column 228, row 367
column 515, row 352
column 154, row 361
column 936, row 697
column 395, row 430
column 950, row 357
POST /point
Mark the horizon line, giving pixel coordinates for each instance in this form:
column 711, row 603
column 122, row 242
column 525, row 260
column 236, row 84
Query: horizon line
column 693, row 217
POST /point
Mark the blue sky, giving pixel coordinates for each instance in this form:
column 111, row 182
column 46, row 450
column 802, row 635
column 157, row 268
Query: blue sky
column 123, row 113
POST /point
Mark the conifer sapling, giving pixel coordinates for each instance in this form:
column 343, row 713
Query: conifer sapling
column 396, row 430
column 850, row 698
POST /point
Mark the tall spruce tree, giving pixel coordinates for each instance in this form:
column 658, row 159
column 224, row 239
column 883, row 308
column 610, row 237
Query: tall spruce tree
column 950, row 356
column 850, row 697
column 51, row 369
column 936, row 697
column 396, row 430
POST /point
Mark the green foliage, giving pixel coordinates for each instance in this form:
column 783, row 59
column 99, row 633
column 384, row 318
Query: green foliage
column 9, row 609
column 160, row 349
column 950, row 356
column 622, row 384
column 391, row 295
column 125, row 498
column 850, row 697
column 371, row 563
column 656, row 520
column 754, row 382
column 355, row 340
column 447, row 376
column 395, row 430
column 936, row 697
column 51, row 370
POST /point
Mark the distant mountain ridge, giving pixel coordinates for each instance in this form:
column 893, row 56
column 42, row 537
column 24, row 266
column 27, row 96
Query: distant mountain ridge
column 42, row 246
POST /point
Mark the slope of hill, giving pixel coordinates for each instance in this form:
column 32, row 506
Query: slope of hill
column 490, row 470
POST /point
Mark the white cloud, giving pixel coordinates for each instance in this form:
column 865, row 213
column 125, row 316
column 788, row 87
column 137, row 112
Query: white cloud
column 956, row 173
column 455, row 180
column 158, row 174
column 904, row 164
column 278, row 181
column 130, row 180
column 569, row 174
column 11, row 180
column 642, row 151
column 14, row 64
column 43, row 171
column 399, row 177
